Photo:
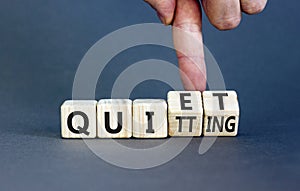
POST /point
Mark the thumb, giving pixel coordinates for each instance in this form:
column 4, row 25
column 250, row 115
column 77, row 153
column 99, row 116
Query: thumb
column 164, row 8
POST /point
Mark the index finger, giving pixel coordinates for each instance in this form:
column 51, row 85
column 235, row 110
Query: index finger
column 187, row 37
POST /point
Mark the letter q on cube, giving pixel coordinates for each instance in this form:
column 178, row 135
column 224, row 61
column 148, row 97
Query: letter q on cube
column 78, row 119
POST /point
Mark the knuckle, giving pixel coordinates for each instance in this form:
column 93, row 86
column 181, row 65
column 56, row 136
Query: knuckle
column 253, row 7
column 165, row 6
column 161, row 3
column 227, row 23
column 188, row 26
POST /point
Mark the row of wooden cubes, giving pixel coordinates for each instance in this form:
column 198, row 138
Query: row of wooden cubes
column 186, row 113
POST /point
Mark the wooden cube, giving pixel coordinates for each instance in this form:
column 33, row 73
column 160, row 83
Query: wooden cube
column 221, row 113
column 114, row 118
column 78, row 119
column 150, row 118
column 185, row 113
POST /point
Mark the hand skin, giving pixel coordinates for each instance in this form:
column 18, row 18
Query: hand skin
column 186, row 15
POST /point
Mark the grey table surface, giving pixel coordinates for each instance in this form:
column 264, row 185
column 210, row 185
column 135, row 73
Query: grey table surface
column 41, row 46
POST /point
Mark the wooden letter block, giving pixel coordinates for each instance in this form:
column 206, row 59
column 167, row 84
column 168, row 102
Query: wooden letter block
column 150, row 118
column 185, row 113
column 78, row 119
column 114, row 118
column 221, row 113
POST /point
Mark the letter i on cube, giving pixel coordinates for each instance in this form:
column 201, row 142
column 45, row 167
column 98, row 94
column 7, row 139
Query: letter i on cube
column 150, row 118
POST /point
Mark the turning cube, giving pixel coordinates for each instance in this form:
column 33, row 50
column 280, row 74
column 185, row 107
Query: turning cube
column 78, row 119
column 114, row 118
column 150, row 118
column 221, row 113
column 185, row 113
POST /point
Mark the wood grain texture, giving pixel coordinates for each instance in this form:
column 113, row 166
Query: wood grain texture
column 150, row 118
column 86, row 108
column 119, row 112
column 185, row 113
column 221, row 113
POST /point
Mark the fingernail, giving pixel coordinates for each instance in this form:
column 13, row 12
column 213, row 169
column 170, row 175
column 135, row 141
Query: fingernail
column 162, row 18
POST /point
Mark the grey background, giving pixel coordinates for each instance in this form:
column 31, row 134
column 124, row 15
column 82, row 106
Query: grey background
column 41, row 44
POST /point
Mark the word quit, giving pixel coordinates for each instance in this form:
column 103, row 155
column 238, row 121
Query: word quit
column 186, row 113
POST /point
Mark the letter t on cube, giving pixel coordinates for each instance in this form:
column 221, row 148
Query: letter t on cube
column 221, row 113
column 185, row 113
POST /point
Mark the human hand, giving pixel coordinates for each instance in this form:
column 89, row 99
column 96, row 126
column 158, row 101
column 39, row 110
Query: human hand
column 186, row 15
